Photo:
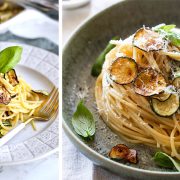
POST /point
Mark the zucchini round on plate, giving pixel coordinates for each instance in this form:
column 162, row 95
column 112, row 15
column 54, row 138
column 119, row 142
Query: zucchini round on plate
column 166, row 108
column 11, row 77
column 119, row 151
column 148, row 40
column 161, row 96
column 176, row 83
column 40, row 92
column 149, row 82
column 5, row 96
column 123, row 70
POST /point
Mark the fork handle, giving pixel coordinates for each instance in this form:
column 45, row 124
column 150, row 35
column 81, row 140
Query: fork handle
column 11, row 134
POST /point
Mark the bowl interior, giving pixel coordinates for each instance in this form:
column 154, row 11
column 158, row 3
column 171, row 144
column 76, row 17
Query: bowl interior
column 122, row 19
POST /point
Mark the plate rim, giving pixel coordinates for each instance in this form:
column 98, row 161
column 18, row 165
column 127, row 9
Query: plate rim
column 74, row 139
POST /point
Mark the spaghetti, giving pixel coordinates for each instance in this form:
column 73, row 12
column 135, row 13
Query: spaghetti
column 130, row 114
column 19, row 106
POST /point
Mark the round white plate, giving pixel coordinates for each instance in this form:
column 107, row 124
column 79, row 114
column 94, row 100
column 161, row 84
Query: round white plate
column 40, row 69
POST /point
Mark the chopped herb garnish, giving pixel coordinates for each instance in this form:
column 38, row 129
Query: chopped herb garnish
column 168, row 33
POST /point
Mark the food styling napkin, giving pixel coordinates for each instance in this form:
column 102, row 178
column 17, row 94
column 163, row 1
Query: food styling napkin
column 75, row 165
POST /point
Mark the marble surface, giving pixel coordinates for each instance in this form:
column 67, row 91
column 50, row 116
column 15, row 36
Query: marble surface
column 84, row 168
column 38, row 170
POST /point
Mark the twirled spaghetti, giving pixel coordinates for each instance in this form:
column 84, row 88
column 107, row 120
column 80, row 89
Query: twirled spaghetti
column 130, row 114
column 22, row 103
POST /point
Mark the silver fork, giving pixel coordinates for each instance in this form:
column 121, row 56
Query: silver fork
column 47, row 111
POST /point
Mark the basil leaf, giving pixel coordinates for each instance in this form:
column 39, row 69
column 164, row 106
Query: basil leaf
column 83, row 121
column 9, row 57
column 166, row 31
column 168, row 28
column 162, row 159
column 174, row 38
column 97, row 67
column 163, row 27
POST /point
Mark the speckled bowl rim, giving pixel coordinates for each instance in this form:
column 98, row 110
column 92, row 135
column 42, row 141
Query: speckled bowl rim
column 74, row 139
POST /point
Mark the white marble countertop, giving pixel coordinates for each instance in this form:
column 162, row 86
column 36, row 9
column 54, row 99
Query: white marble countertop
column 44, row 169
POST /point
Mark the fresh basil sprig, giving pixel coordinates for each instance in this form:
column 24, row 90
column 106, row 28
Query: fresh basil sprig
column 162, row 159
column 83, row 121
column 97, row 67
column 168, row 33
column 9, row 57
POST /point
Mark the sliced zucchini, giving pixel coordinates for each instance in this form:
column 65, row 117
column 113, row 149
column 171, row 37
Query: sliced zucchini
column 166, row 108
column 13, row 96
column 148, row 40
column 149, row 82
column 40, row 92
column 161, row 96
column 176, row 83
column 123, row 70
column 5, row 96
column 12, row 77
column 132, row 156
column 120, row 151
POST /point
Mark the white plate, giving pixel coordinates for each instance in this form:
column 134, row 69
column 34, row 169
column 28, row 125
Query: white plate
column 40, row 69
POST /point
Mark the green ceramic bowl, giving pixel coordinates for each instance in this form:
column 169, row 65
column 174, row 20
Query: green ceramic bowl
column 79, row 54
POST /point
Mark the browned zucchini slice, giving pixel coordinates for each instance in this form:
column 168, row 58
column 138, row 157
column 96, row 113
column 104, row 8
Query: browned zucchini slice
column 148, row 40
column 40, row 92
column 12, row 77
column 149, row 82
column 123, row 70
column 166, row 108
column 176, row 83
column 132, row 156
column 120, row 151
column 161, row 96
column 5, row 96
